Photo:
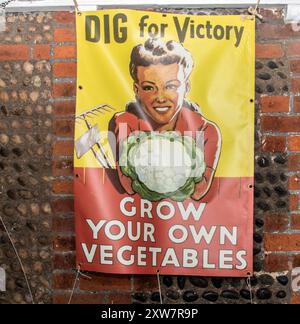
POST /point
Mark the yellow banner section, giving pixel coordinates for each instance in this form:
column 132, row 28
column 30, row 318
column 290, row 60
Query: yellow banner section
column 221, row 82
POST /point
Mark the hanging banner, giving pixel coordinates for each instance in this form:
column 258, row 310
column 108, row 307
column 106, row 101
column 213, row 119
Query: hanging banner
column 164, row 143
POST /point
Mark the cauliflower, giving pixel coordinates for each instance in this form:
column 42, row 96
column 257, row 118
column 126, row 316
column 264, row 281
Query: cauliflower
column 162, row 165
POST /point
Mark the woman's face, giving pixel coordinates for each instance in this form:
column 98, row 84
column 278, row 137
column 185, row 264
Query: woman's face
column 161, row 90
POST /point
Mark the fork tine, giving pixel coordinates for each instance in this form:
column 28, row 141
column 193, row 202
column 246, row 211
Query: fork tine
column 106, row 109
column 110, row 106
column 105, row 106
column 96, row 109
column 92, row 113
column 97, row 112
column 100, row 106
column 89, row 115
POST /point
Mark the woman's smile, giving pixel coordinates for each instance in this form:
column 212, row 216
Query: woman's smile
column 162, row 109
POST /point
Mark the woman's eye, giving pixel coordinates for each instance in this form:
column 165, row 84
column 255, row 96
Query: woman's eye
column 171, row 87
column 148, row 88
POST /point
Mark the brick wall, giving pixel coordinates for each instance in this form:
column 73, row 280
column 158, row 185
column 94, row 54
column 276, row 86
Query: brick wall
column 278, row 126
column 26, row 155
column 37, row 94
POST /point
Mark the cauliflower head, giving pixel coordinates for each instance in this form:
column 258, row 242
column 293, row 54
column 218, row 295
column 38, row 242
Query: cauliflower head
column 162, row 164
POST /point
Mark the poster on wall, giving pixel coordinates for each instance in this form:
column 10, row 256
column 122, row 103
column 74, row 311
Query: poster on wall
column 164, row 143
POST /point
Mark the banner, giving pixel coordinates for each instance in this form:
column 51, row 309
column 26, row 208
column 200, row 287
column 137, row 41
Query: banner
column 164, row 143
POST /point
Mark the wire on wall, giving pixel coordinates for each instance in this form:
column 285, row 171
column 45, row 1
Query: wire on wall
column 19, row 259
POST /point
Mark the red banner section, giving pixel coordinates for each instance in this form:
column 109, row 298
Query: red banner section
column 134, row 235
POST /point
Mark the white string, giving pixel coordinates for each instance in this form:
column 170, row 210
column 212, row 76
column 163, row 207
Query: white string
column 74, row 285
column 248, row 281
column 159, row 287
column 78, row 273
column 19, row 259
column 84, row 275
column 254, row 11
column 76, row 7
column 257, row 5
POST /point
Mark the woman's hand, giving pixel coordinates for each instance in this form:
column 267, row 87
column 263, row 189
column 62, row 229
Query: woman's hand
column 125, row 181
column 202, row 187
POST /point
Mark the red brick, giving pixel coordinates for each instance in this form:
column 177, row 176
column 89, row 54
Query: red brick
column 294, row 202
column 64, row 108
column 117, row 298
column 64, row 261
column 41, row 52
column 294, row 182
column 62, row 168
column 145, row 283
column 79, row 298
column 60, row 224
column 296, row 85
column 263, row 51
column 282, row 242
column 63, row 148
column 276, row 262
column 297, row 104
column 294, row 143
column 295, row 66
column 277, row 31
column 64, row 69
column 276, row 222
column 293, row 49
column 65, row 51
column 64, row 35
column 63, row 280
column 102, row 282
column 14, row 52
column 64, row 244
column 62, row 206
column 64, row 17
column 295, row 299
column 280, row 123
column 62, row 186
column 274, row 104
column 274, row 144
column 296, row 221
column 296, row 261
column 64, row 90
column 294, row 162
column 63, row 127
